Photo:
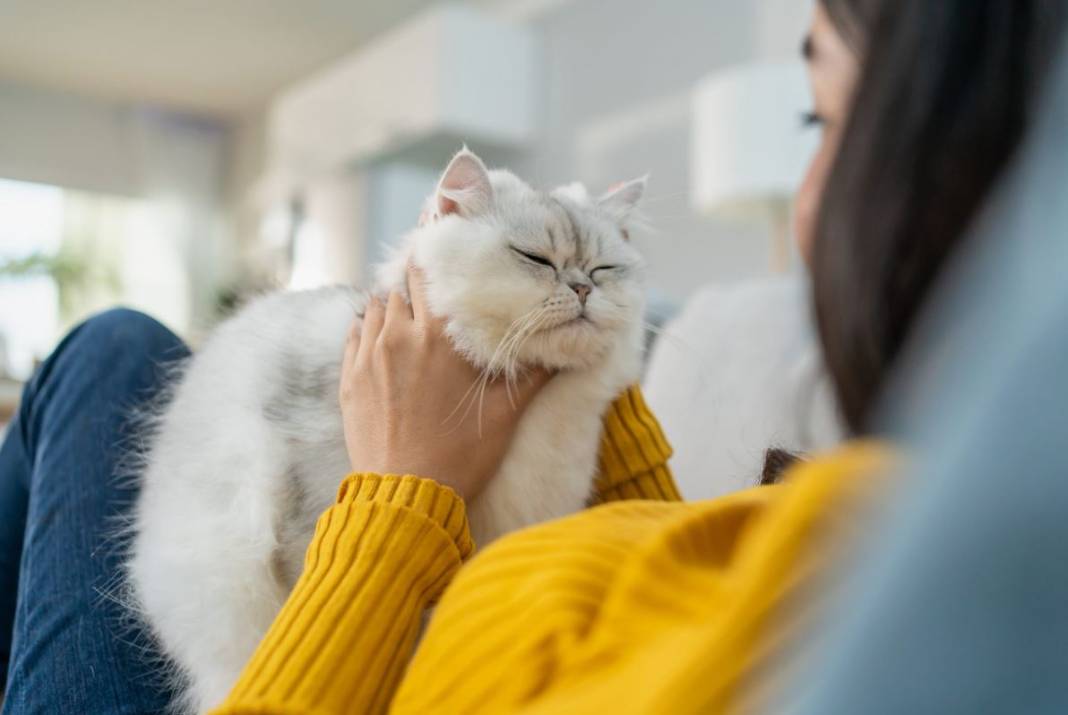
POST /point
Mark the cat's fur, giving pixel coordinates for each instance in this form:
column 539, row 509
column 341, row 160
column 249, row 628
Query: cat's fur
column 250, row 450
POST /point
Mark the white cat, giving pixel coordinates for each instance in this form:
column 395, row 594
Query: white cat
column 250, row 450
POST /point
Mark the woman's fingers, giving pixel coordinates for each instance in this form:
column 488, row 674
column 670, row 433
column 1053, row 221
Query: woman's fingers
column 352, row 343
column 374, row 317
column 408, row 391
column 417, row 292
column 420, row 305
column 398, row 311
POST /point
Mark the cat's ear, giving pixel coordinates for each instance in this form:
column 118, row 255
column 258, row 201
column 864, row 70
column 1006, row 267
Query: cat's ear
column 465, row 187
column 621, row 200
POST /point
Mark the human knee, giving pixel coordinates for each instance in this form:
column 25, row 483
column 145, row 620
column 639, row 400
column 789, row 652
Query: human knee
column 120, row 333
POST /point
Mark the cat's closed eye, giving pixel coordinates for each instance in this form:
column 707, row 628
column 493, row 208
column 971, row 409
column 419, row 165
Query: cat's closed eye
column 535, row 258
column 600, row 269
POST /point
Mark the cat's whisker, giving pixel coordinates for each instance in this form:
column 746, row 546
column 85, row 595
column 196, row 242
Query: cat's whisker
column 646, row 200
column 524, row 324
column 510, row 353
column 509, row 334
column 674, row 339
column 474, row 392
column 478, row 387
column 533, row 328
column 659, row 218
column 509, row 345
column 460, row 404
column 512, row 359
column 508, row 350
column 661, row 332
column 684, row 347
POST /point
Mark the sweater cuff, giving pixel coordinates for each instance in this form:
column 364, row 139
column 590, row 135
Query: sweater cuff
column 383, row 553
column 655, row 485
column 425, row 497
column 634, row 453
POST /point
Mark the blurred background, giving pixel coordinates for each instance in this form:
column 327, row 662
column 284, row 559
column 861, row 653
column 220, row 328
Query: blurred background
column 176, row 156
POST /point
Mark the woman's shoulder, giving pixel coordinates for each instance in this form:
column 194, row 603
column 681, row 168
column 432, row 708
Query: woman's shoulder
column 600, row 590
column 579, row 561
column 618, row 531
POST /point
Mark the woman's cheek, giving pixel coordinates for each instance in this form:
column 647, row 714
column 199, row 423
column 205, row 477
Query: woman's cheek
column 810, row 196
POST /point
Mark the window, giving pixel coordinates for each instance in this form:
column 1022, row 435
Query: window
column 67, row 254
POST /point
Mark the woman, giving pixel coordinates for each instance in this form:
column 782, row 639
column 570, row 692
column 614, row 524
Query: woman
column 644, row 604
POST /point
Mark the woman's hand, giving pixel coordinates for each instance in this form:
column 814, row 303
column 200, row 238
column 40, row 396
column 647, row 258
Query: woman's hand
column 410, row 402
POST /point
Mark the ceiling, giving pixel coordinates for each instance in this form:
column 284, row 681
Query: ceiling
column 213, row 57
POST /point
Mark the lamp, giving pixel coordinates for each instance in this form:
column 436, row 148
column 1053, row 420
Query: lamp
column 750, row 148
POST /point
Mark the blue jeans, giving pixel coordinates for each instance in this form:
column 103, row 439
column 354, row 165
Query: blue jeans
column 65, row 645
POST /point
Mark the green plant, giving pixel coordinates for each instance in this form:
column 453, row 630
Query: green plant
column 75, row 275
column 61, row 268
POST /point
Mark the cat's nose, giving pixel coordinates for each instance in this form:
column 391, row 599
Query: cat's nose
column 582, row 290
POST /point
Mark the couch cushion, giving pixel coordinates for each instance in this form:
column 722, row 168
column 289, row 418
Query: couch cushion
column 736, row 372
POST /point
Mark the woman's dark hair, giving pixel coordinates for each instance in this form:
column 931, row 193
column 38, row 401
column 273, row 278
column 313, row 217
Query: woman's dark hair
column 944, row 99
column 854, row 20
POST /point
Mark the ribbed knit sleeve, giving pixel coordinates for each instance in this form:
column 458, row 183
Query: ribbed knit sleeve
column 381, row 555
column 634, row 452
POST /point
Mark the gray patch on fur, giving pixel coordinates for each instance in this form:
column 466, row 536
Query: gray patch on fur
column 301, row 386
column 288, row 528
column 567, row 221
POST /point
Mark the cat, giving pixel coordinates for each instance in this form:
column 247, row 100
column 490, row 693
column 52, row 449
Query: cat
column 249, row 449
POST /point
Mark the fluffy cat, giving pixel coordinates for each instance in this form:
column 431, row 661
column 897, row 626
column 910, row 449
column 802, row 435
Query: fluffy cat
column 250, row 449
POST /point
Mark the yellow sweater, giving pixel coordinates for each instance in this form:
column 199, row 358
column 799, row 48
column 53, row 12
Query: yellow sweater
column 641, row 605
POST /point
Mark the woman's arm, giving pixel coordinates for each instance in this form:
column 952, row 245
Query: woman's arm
column 381, row 555
column 632, row 463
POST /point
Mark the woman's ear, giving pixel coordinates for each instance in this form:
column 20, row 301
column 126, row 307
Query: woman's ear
column 464, row 188
column 621, row 200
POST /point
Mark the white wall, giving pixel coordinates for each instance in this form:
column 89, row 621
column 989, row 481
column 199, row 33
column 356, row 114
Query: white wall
column 337, row 206
column 616, row 86
column 618, row 80
column 397, row 193
column 615, row 104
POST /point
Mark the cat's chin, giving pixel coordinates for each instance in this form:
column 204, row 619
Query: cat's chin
column 576, row 345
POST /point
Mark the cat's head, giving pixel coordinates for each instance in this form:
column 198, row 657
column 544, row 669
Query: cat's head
column 527, row 277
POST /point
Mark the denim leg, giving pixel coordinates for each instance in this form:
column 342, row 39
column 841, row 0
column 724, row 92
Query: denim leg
column 14, row 498
column 71, row 650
